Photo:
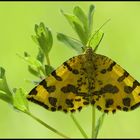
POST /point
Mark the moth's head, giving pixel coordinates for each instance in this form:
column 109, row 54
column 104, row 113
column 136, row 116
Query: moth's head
column 89, row 50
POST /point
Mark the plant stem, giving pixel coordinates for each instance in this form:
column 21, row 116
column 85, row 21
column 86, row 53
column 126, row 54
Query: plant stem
column 99, row 124
column 47, row 59
column 46, row 125
column 93, row 123
column 78, row 126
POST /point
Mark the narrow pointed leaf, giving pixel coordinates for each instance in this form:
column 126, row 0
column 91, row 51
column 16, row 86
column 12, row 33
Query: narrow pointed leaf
column 40, row 56
column 70, row 42
column 71, row 19
column 48, row 69
column 95, row 39
column 77, row 26
column 90, row 18
column 99, row 124
column 34, row 38
column 33, row 71
column 5, row 97
column 3, row 82
column 20, row 101
column 82, row 17
column 81, row 33
column 43, row 38
column 33, row 62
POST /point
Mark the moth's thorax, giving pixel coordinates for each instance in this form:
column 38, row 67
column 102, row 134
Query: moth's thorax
column 89, row 54
column 89, row 60
column 90, row 69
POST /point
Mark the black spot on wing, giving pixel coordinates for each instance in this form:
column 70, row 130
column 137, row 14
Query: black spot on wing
column 106, row 111
column 33, row 91
column 126, row 101
column 53, row 109
column 109, row 89
column 128, row 89
column 109, row 102
column 59, row 107
column 125, row 109
column 69, row 88
column 51, row 89
column 119, row 107
column 68, row 66
column 74, row 71
column 103, row 71
column 114, row 111
column 121, row 78
column 78, row 99
column 111, row 66
column 48, row 88
column 52, row 101
column 135, row 84
column 99, row 107
column 72, row 110
column 100, row 82
column 79, row 108
column 92, row 101
column 69, row 102
column 65, row 110
column 38, row 102
column 58, row 78
column 43, row 83
column 135, row 106
column 85, row 103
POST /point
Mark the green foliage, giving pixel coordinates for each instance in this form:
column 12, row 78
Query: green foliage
column 82, row 24
column 99, row 124
column 43, row 38
column 70, row 42
column 19, row 100
column 35, row 67
column 5, row 92
column 96, row 39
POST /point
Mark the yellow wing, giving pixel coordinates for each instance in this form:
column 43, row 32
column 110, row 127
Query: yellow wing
column 88, row 78
column 64, row 89
column 115, row 88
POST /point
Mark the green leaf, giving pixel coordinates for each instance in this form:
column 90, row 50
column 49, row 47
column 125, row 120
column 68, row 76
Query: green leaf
column 36, row 29
column 77, row 26
column 43, row 38
column 5, row 97
column 34, row 38
column 34, row 63
column 71, row 19
column 70, row 42
column 19, row 100
column 2, row 73
column 96, row 39
column 33, row 71
column 3, row 82
column 40, row 56
column 90, row 18
column 81, row 33
column 48, row 69
column 81, row 16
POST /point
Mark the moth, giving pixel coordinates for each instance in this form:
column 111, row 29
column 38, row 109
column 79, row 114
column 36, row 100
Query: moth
column 88, row 78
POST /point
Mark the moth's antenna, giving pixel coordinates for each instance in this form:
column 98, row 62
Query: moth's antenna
column 99, row 30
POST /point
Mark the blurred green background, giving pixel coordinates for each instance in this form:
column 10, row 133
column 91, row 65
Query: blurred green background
column 121, row 42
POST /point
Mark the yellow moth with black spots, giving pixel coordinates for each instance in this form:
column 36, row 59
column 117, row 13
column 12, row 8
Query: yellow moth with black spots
column 85, row 79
